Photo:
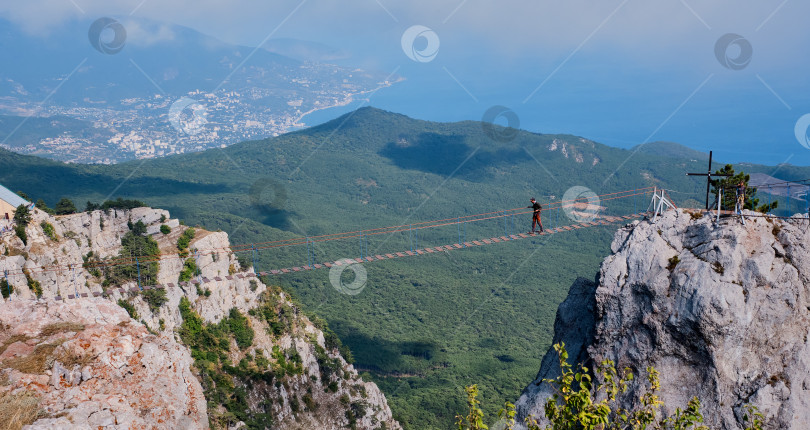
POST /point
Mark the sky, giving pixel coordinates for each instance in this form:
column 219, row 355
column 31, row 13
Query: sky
column 620, row 72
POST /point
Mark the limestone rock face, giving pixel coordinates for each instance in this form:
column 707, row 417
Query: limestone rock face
column 119, row 375
column 106, row 371
column 726, row 321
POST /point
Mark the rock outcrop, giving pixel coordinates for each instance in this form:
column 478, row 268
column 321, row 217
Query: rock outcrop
column 91, row 366
column 722, row 311
column 291, row 374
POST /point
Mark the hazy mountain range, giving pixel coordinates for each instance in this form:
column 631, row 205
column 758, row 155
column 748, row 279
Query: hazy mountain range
column 157, row 90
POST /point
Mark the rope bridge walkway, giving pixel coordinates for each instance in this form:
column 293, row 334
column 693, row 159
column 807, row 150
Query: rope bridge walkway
column 592, row 220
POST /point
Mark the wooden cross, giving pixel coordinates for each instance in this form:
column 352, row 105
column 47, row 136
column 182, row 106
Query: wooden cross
column 708, row 178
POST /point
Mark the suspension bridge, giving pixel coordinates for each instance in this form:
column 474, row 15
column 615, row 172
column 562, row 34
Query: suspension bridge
column 584, row 212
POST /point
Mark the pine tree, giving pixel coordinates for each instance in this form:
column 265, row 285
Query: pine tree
column 729, row 185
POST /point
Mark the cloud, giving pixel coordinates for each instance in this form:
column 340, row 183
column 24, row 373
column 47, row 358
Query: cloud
column 145, row 33
column 664, row 31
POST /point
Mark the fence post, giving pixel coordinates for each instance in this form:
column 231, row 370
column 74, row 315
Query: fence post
column 458, row 227
column 769, row 197
column 139, row 272
column 788, row 200
column 361, row 245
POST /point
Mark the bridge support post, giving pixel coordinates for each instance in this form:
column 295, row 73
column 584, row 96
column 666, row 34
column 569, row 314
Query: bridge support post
column 658, row 203
column 719, row 203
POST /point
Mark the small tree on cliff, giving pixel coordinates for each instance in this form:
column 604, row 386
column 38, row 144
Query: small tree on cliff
column 728, row 184
column 579, row 404
column 22, row 216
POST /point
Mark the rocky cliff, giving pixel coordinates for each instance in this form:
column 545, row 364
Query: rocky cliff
column 722, row 311
column 222, row 350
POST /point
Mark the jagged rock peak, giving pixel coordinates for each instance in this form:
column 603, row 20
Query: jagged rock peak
column 722, row 311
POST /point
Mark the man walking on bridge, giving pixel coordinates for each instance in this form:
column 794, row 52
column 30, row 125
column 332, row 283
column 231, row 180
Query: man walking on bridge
column 536, row 215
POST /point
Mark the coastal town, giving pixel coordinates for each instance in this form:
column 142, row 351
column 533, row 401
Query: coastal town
column 158, row 125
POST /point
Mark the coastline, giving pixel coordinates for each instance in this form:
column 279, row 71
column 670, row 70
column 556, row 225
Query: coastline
column 350, row 98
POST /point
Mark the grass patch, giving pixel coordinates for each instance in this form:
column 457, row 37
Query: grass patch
column 68, row 358
column 33, row 284
column 49, row 231
column 129, row 308
column 718, row 267
column 35, row 363
column 60, row 327
column 18, row 410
